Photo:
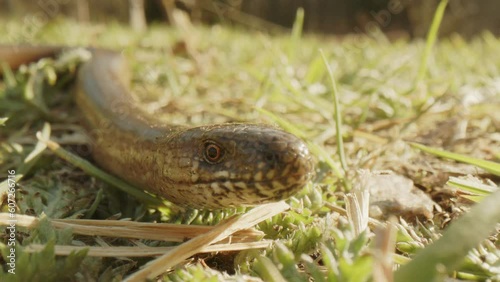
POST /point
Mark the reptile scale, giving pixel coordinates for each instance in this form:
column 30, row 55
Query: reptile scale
column 213, row 166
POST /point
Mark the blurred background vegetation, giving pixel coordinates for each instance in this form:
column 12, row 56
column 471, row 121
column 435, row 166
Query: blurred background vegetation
column 409, row 18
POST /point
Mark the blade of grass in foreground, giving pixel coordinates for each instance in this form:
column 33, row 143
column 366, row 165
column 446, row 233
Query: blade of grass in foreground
column 446, row 254
column 491, row 167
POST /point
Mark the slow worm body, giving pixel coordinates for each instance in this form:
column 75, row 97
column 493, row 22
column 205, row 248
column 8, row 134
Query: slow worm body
column 213, row 166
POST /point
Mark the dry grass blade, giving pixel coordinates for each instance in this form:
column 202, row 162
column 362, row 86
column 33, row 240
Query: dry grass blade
column 358, row 204
column 144, row 251
column 384, row 245
column 193, row 246
column 131, row 229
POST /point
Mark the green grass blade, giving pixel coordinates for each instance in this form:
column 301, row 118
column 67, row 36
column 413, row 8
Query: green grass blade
column 446, row 254
column 431, row 38
column 471, row 186
column 320, row 151
column 338, row 117
column 283, row 123
column 479, row 191
column 298, row 25
column 8, row 76
column 491, row 167
column 267, row 270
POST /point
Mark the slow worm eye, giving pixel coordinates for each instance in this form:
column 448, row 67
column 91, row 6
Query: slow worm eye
column 213, row 152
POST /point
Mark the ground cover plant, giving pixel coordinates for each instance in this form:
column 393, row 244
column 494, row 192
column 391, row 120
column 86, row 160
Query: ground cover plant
column 363, row 103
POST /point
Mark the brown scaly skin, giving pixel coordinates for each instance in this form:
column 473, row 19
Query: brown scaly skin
column 215, row 166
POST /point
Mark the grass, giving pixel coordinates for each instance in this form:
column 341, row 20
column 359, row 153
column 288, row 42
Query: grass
column 228, row 74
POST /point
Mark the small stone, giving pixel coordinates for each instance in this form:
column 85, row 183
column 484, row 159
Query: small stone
column 392, row 194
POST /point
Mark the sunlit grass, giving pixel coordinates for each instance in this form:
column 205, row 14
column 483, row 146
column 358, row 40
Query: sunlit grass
column 241, row 75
